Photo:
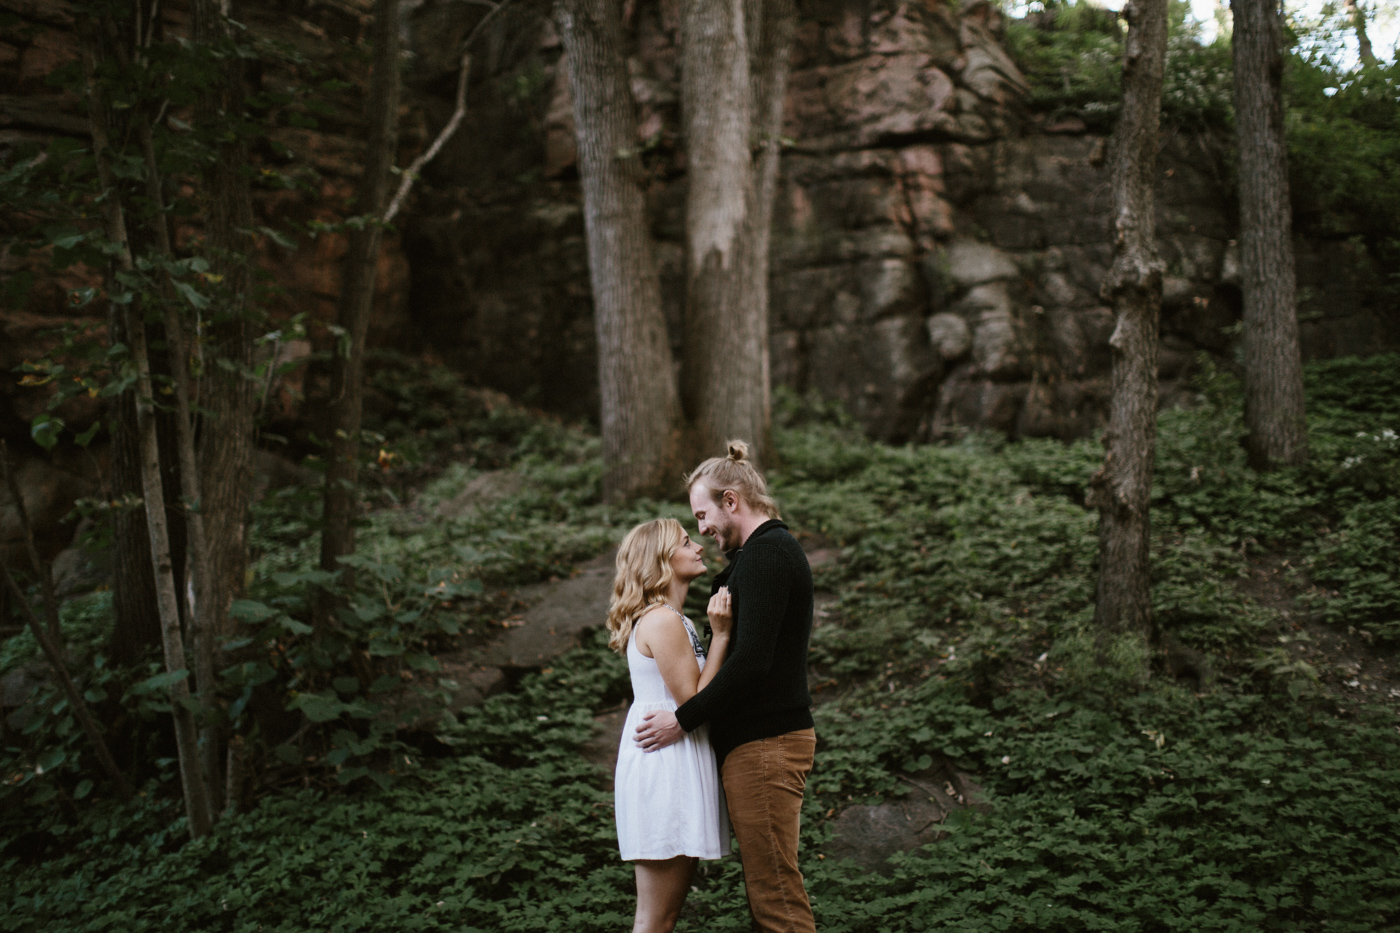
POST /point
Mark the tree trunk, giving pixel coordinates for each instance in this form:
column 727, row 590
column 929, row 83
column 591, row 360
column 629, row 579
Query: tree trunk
column 1273, row 404
column 136, row 622
column 723, row 379
column 200, row 625
column 770, row 25
column 1122, row 485
column 637, row 383
column 356, row 300
column 227, row 396
column 735, row 57
column 1363, row 40
column 191, row 779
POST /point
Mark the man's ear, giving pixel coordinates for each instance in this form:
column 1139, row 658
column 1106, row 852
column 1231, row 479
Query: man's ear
column 731, row 501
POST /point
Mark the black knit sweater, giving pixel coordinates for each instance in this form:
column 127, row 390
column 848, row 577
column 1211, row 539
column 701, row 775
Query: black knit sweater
column 761, row 688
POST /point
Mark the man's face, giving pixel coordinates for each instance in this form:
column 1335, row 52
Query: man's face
column 715, row 520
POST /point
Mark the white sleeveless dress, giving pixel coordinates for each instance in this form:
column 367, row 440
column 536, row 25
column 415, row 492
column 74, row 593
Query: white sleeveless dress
column 668, row 802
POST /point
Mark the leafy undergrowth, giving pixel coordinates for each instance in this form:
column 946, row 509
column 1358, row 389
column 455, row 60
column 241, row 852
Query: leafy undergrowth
column 1251, row 801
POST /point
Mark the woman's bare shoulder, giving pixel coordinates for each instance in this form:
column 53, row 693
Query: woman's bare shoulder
column 660, row 627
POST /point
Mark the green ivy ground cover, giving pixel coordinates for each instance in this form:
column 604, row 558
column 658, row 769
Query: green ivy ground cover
column 962, row 605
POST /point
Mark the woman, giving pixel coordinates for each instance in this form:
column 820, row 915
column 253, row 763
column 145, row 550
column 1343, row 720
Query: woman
column 669, row 803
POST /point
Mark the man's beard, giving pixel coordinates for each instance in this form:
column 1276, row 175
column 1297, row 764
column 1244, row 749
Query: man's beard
column 724, row 536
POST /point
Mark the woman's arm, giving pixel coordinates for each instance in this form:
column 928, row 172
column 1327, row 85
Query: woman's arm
column 662, row 635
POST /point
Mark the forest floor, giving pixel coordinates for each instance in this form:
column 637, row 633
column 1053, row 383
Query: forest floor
column 1351, row 663
column 982, row 763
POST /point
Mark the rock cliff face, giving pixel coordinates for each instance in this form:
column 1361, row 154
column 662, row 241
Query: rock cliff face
column 938, row 248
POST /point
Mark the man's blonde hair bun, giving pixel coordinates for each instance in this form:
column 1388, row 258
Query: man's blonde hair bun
column 735, row 472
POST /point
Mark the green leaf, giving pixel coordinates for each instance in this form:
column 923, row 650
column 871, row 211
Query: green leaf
column 421, row 662
column 160, row 682
column 51, row 759
column 85, row 438
column 295, row 627
column 250, row 610
column 45, row 429
column 191, row 295
column 318, row 707
column 287, row 754
column 83, row 789
column 278, row 237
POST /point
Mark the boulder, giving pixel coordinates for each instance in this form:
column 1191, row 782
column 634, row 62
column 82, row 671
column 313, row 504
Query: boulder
column 868, row 834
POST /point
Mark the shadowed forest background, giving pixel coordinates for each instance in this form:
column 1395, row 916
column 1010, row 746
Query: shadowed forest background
column 1079, row 383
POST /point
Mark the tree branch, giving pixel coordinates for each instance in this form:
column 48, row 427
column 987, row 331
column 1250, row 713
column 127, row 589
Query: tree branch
column 410, row 174
column 55, row 657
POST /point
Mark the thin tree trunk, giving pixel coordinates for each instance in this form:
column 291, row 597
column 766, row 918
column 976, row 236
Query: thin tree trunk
column 136, row 622
column 186, row 740
column 358, row 269
column 1358, row 21
column 1273, row 405
column 724, row 374
column 227, row 396
column 637, row 383
column 200, row 624
column 75, row 699
column 771, row 26
column 1121, row 487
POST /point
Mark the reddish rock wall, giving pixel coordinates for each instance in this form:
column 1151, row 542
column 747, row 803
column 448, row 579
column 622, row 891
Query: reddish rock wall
column 938, row 249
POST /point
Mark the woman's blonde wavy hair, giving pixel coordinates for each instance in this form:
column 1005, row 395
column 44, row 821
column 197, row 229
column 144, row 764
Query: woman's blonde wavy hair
column 643, row 573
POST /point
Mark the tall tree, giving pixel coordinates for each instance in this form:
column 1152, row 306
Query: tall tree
column 734, row 65
column 637, row 383
column 227, row 397
column 1357, row 15
column 197, row 805
column 1273, row 403
column 358, row 268
column 1122, row 485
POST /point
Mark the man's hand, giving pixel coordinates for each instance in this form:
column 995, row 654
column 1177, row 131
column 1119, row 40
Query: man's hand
column 658, row 729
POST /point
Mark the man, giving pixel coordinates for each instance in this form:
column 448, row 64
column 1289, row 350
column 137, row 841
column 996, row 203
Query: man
column 757, row 707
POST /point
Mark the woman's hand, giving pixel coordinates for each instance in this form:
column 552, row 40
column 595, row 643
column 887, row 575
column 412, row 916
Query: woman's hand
column 721, row 613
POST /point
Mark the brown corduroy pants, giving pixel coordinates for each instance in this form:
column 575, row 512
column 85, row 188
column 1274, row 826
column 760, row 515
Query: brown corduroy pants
column 763, row 786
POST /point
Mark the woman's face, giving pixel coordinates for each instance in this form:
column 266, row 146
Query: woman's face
column 685, row 562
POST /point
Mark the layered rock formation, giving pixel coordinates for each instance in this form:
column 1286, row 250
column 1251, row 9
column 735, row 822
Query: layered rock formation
column 938, row 248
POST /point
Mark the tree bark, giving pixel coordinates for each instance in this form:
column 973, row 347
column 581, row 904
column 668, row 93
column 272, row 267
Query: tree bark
column 136, row 622
column 640, row 401
column 358, row 269
column 191, row 779
column 200, row 624
column 227, row 395
column 1121, row 487
column 735, row 59
column 1273, row 407
column 723, row 377
column 771, row 26
column 1357, row 15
